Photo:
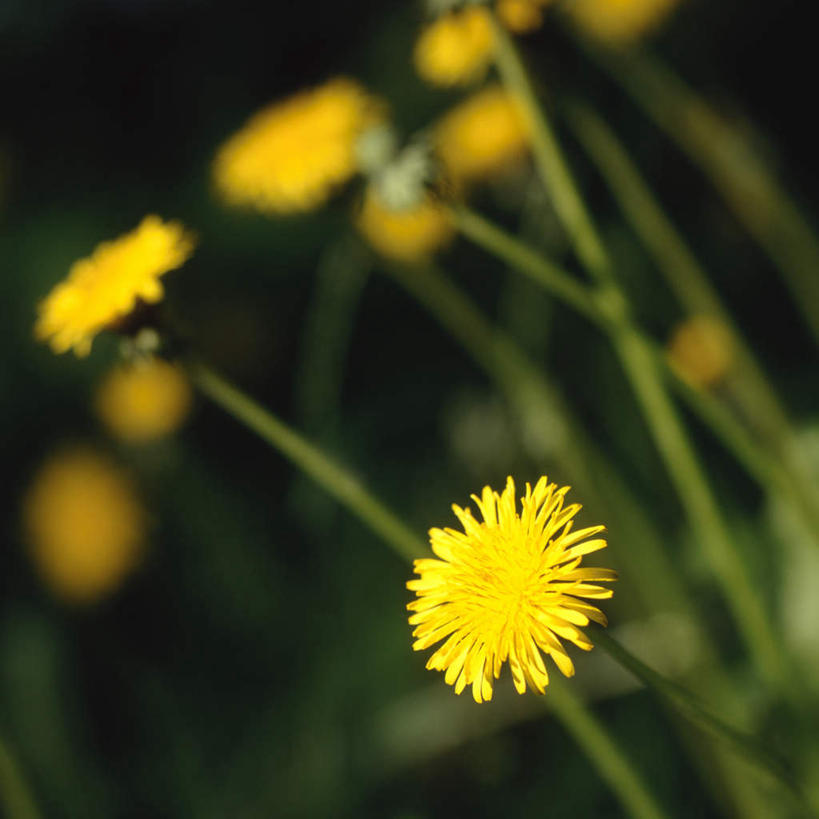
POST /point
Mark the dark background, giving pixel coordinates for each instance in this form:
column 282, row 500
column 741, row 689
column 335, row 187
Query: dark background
column 259, row 664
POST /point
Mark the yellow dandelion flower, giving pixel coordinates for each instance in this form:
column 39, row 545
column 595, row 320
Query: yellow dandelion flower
column 456, row 49
column 107, row 285
column 85, row 525
column 619, row 22
column 144, row 401
column 701, row 351
column 405, row 234
column 481, row 136
column 521, row 16
column 292, row 155
column 509, row 587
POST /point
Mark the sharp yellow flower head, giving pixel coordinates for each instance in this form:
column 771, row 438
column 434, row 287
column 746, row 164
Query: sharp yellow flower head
column 85, row 525
column 619, row 22
column 701, row 351
column 521, row 16
column 405, row 234
column 107, row 286
column 481, row 136
column 509, row 587
column 292, row 155
column 456, row 48
column 144, row 401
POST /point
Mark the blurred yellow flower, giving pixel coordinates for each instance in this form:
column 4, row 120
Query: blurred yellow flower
column 480, row 136
column 107, row 285
column 701, row 351
column 508, row 587
column 293, row 154
column 144, row 400
column 84, row 524
column 405, row 234
column 521, row 16
column 456, row 48
column 619, row 22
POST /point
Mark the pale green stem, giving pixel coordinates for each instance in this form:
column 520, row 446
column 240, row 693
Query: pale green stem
column 15, row 797
column 335, row 479
column 752, row 192
column 608, row 759
column 613, row 767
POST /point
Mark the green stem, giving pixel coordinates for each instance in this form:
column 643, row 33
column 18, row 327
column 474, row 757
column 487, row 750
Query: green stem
column 336, row 480
column 15, row 797
column 692, row 709
column 610, row 762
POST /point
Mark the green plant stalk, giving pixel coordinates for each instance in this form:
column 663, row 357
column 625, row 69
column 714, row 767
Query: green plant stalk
column 613, row 767
column 694, row 291
column 724, row 154
column 335, row 479
column 15, row 796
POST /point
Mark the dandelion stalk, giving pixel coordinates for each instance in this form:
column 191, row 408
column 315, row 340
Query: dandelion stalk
column 15, row 797
column 336, row 480
column 753, row 194
column 613, row 767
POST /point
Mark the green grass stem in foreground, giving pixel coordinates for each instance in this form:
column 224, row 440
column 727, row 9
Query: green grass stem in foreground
column 602, row 751
column 15, row 797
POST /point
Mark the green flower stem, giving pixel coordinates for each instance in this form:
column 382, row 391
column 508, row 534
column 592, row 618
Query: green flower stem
column 336, row 480
column 694, row 711
column 553, row 168
column 613, row 767
column 724, row 154
column 611, row 763
column 15, row 797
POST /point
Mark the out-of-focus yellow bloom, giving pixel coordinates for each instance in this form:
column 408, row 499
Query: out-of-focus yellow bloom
column 509, row 587
column 85, row 525
column 619, row 21
column 456, row 48
column 144, row 400
column 405, row 234
column 481, row 135
column 521, row 16
column 293, row 154
column 107, row 285
column 701, row 351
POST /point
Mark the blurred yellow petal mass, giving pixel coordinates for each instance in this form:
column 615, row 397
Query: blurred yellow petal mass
column 701, row 351
column 292, row 155
column 107, row 285
column 507, row 588
column 144, row 401
column 405, row 234
column 481, row 136
column 619, row 21
column 456, row 48
column 521, row 16
column 85, row 525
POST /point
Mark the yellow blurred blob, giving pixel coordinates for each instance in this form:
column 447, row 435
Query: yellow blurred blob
column 456, row 49
column 85, row 525
column 144, row 401
column 701, row 351
column 107, row 285
column 292, row 155
column 481, row 136
column 521, row 16
column 406, row 234
column 619, row 22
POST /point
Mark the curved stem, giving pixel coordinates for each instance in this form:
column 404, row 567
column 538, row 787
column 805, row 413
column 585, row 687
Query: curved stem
column 15, row 797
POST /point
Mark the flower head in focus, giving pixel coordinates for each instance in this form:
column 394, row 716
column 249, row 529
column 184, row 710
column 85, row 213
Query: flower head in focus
column 404, row 233
column 455, row 49
column 701, row 351
column 85, row 525
column 619, row 22
column 292, row 155
column 481, row 136
column 108, row 285
column 509, row 587
column 144, row 400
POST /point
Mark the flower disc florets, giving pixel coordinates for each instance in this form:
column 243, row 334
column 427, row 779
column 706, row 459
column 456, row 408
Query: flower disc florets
column 509, row 587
